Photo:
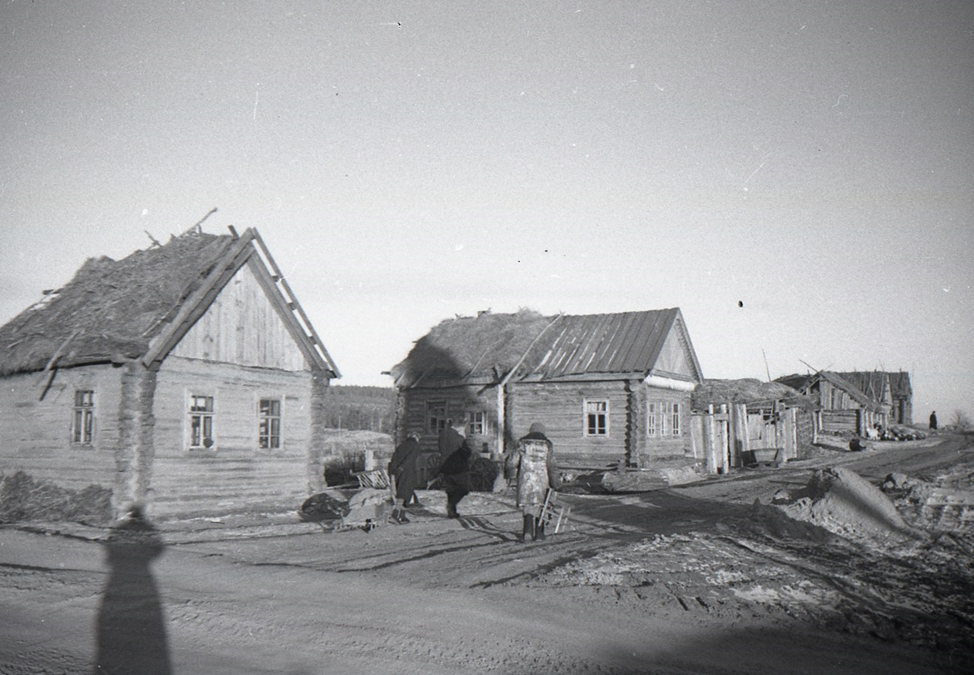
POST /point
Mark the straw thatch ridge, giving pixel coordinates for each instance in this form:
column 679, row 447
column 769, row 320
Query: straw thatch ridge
column 486, row 346
column 110, row 310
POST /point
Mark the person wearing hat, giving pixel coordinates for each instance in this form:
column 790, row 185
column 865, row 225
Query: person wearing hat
column 533, row 463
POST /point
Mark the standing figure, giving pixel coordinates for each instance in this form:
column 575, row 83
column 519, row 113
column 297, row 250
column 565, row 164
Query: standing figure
column 404, row 467
column 455, row 466
column 933, row 420
column 533, row 463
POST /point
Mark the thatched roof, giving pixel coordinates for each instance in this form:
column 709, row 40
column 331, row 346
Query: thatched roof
column 488, row 347
column 750, row 391
column 111, row 309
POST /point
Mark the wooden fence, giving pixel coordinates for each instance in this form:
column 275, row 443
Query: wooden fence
column 730, row 436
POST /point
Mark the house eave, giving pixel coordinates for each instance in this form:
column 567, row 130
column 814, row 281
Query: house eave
column 664, row 382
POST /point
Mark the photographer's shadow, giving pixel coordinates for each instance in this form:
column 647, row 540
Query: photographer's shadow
column 131, row 629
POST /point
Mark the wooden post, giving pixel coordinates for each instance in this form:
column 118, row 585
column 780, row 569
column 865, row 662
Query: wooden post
column 724, row 440
column 709, row 450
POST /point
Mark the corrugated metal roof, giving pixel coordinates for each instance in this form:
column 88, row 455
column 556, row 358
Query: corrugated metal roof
column 488, row 347
column 626, row 342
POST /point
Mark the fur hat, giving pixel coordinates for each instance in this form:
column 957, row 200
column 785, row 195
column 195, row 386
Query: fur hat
column 537, row 428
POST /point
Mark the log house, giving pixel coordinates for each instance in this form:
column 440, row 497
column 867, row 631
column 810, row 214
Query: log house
column 185, row 377
column 613, row 390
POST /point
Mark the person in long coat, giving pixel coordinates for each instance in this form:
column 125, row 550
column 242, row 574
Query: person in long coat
column 455, row 467
column 404, row 467
column 933, row 420
column 533, row 463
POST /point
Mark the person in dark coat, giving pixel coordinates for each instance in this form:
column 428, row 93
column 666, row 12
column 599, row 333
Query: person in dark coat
column 404, row 467
column 533, row 462
column 455, row 467
column 933, row 420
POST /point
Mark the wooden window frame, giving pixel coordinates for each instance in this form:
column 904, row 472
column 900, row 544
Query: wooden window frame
column 199, row 418
column 435, row 422
column 270, row 436
column 83, row 418
column 651, row 408
column 588, row 416
column 675, row 425
column 479, row 419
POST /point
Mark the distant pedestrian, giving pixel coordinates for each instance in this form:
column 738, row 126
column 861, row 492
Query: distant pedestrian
column 933, row 420
column 533, row 462
column 404, row 468
column 455, row 466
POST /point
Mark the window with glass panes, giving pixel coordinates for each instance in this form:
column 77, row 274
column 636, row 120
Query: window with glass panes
column 84, row 417
column 201, row 421
column 596, row 418
column 269, row 423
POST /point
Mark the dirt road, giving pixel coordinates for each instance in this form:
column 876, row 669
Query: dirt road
column 698, row 579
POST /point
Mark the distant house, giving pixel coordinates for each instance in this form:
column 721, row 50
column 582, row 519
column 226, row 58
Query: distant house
column 611, row 389
column 842, row 406
column 185, row 376
column 887, row 388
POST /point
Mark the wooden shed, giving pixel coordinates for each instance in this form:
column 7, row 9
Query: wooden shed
column 842, row 406
column 185, row 377
column 613, row 390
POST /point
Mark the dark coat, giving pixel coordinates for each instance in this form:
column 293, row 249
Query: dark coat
column 448, row 442
column 455, row 470
column 404, row 466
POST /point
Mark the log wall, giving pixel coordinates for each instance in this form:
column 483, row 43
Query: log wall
column 660, row 446
column 35, row 433
column 461, row 402
column 235, row 475
column 561, row 408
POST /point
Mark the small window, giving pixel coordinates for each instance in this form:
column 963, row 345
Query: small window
column 596, row 418
column 661, row 417
column 436, row 415
column 651, row 419
column 84, row 417
column 269, row 424
column 478, row 423
column 675, row 425
column 201, row 422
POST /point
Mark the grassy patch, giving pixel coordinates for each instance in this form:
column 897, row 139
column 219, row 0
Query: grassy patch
column 22, row 498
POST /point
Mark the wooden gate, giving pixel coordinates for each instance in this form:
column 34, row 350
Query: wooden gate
column 730, row 436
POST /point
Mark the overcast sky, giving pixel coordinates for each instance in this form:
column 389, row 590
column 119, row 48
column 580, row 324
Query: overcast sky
column 406, row 162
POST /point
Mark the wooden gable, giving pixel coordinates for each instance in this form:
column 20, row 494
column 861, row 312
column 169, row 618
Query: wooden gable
column 268, row 291
column 676, row 356
column 243, row 325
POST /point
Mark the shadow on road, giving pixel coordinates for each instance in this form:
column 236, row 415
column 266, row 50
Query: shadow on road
column 131, row 629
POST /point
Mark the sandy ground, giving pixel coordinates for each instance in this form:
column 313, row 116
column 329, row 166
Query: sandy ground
column 749, row 573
